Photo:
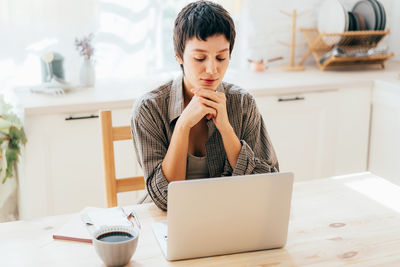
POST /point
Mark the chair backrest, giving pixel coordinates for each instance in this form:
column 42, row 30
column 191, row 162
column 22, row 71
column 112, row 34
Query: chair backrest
column 111, row 134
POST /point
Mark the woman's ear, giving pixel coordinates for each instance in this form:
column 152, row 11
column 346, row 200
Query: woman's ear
column 180, row 61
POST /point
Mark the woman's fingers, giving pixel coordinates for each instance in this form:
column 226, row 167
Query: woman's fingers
column 208, row 102
column 211, row 112
column 211, row 95
column 212, row 99
column 206, row 99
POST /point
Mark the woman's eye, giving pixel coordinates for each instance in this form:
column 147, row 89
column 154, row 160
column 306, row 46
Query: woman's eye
column 202, row 59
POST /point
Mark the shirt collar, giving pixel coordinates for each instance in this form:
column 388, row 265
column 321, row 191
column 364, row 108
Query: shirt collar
column 176, row 103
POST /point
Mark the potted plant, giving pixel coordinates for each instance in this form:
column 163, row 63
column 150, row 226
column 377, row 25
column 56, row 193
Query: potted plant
column 12, row 137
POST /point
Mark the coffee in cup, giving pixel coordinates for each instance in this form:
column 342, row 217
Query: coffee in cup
column 115, row 244
column 115, row 237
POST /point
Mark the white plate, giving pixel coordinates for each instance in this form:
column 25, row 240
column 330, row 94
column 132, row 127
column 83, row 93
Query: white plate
column 332, row 18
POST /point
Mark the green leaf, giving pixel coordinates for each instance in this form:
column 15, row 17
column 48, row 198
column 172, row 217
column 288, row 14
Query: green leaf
column 5, row 126
column 12, row 136
column 17, row 136
column 11, row 155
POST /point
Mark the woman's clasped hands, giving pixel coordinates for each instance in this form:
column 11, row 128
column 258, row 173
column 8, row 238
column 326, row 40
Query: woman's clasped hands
column 208, row 104
column 217, row 102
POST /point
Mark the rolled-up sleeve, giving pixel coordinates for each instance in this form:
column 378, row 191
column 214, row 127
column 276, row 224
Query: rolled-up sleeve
column 257, row 154
column 151, row 145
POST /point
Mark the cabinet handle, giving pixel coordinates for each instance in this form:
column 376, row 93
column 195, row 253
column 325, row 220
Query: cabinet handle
column 70, row 118
column 290, row 99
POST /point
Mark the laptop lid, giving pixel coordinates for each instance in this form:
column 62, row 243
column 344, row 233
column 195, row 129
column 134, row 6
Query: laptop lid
column 226, row 215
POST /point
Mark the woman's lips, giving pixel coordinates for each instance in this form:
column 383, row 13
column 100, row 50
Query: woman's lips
column 209, row 81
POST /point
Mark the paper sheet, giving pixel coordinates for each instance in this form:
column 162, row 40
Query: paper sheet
column 107, row 217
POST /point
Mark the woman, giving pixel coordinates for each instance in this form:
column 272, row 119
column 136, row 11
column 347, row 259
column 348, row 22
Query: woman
column 197, row 126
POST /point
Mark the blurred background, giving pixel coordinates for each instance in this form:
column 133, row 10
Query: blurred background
column 134, row 37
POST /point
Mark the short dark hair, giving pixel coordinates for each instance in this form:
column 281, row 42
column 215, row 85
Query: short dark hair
column 202, row 19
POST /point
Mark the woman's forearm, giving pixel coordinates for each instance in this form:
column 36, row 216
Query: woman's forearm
column 174, row 163
column 232, row 145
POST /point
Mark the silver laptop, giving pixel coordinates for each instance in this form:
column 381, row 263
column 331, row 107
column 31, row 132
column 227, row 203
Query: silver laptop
column 217, row 216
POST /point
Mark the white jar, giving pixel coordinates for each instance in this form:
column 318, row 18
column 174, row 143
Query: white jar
column 87, row 73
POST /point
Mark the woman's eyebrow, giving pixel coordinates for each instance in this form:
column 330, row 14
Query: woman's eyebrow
column 201, row 50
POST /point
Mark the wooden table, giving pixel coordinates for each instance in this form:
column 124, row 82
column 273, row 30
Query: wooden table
column 353, row 219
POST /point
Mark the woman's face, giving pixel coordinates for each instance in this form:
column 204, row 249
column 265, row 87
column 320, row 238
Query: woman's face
column 205, row 62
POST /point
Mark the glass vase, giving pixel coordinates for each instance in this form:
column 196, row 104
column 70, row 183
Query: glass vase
column 87, row 73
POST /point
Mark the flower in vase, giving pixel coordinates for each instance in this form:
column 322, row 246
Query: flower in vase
column 84, row 46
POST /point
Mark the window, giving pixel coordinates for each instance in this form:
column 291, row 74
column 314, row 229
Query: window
column 132, row 37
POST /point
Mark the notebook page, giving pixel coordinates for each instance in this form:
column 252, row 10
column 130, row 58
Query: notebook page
column 108, row 217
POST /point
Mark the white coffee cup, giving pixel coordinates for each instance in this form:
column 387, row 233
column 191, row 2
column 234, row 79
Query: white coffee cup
column 115, row 245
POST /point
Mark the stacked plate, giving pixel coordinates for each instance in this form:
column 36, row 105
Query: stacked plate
column 365, row 15
column 372, row 12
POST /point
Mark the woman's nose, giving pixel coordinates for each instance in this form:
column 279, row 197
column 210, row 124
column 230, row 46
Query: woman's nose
column 211, row 67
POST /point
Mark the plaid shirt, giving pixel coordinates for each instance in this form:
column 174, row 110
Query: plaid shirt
column 153, row 119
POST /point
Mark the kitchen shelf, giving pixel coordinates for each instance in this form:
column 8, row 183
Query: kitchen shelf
column 350, row 42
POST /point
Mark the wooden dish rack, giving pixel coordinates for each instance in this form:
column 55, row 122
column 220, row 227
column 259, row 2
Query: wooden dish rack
column 351, row 42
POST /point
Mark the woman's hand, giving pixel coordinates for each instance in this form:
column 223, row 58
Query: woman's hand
column 216, row 101
column 194, row 112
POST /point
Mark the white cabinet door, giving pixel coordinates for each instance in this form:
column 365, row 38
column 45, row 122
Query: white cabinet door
column 385, row 132
column 62, row 167
column 352, row 131
column 319, row 134
column 301, row 128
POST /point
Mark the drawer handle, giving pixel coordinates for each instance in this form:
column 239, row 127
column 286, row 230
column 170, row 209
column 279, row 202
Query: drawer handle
column 70, row 118
column 291, row 99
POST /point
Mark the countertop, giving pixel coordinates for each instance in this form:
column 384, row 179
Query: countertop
column 122, row 93
column 338, row 221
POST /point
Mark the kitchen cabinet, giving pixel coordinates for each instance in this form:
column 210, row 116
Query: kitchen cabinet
column 62, row 163
column 319, row 133
column 384, row 157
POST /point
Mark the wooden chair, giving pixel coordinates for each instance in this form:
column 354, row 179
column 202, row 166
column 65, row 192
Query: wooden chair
column 111, row 134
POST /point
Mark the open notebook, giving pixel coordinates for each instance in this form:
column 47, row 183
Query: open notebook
column 77, row 229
